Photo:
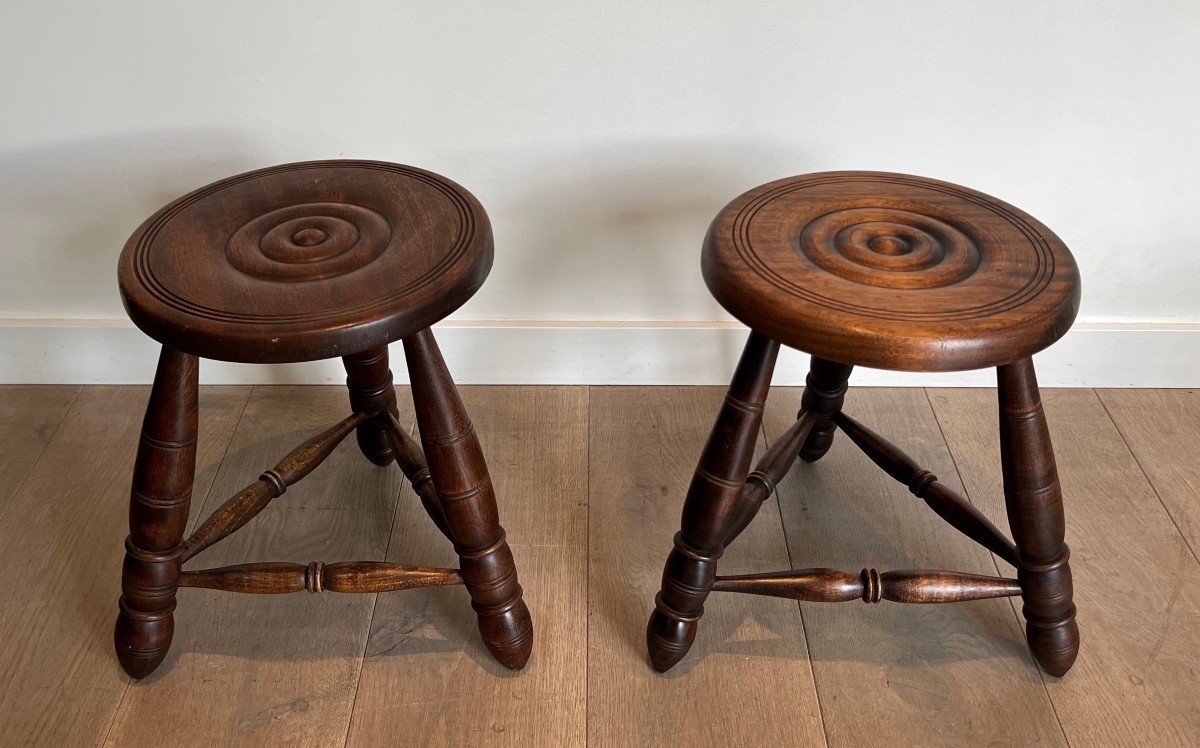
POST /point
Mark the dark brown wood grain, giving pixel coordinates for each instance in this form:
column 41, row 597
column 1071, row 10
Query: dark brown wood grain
column 469, row 504
column 295, row 263
column 923, row 484
column 891, row 271
column 305, row 261
column 896, row 272
column 371, row 392
column 158, row 512
column 1035, row 514
column 775, row 463
column 824, row 394
column 411, row 460
column 711, row 510
column 272, row 578
column 917, row 586
column 247, row 503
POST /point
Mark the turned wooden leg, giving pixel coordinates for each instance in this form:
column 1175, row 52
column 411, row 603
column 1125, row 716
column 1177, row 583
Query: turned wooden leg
column 158, row 512
column 710, row 511
column 468, row 504
column 411, row 459
column 1035, row 515
column 824, row 393
column 370, row 383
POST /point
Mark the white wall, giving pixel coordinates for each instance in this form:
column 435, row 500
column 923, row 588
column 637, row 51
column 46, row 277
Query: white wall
column 602, row 138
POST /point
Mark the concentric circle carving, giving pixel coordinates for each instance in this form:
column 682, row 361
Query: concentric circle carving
column 304, row 261
column 309, row 241
column 458, row 237
column 889, row 248
column 891, row 271
column 892, row 232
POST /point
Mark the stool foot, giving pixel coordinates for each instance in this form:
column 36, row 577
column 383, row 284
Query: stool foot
column 668, row 640
column 824, row 393
column 468, row 504
column 1054, row 647
column 711, row 511
column 370, row 383
column 142, row 641
column 1035, row 514
column 158, row 512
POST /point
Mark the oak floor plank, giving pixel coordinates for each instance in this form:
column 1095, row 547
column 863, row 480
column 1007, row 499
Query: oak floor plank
column 1162, row 429
column 747, row 679
column 1137, row 585
column 60, row 681
column 29, row 416
column 271, row 669
column 956, row 674
column 426, row 668
column 286, row 669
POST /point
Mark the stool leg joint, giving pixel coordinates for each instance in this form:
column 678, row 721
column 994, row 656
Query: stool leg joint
column 944, row 501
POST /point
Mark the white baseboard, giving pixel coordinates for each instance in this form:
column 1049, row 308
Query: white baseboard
column 637, row 353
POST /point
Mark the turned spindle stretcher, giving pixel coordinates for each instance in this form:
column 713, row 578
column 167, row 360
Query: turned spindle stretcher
column 303, row 262
column 317, row 576
column 894, row 272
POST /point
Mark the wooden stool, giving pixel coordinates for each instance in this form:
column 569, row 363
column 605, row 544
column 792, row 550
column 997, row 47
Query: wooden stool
column 297, row 263
column 893, row 272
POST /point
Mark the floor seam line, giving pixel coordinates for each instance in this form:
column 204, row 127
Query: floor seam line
column 1142, row 470
column 812, row 669
column 117, row 712
column 38, row 460
column 995, row 562
column 387, row 549
column 224, row 455
column 208, row 492
column 587, row 581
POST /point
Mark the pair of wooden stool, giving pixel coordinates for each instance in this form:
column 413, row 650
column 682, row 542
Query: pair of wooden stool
column 335, row 259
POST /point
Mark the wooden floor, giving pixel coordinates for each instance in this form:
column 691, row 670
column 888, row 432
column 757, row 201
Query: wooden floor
column 591, row 482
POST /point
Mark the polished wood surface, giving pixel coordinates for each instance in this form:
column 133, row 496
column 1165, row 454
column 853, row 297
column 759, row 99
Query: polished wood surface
column 891, row 271
column 425, row 667
column 293, row 263
column 751, row 673
column 1034, row 502
column 913, row 663
column 158, row 512
column 1136, row 580
column 923, row 484
column 369, row 380
column 711, row 511
column 411, row 459
column 277, row 577
column 468, row 503
column 297, row 657
column 917, row 586
column 60, row 683
column 305, row 261
column 824, row 394
column 750, row 678
column 247, row 503
column 466, row 507
column 896, row 272
column 767, row 473
column 724, row 497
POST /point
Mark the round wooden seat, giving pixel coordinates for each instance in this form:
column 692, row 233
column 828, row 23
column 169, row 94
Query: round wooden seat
column 895, row 272
column 305, row 261
column 308, row 261
column 891, row 271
